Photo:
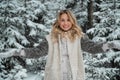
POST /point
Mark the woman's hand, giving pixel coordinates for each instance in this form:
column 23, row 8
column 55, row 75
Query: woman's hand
column 106, row 47
column 110, row 45
column 19, row 52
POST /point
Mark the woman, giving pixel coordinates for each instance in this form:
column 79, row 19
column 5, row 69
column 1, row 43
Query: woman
column 64, row 46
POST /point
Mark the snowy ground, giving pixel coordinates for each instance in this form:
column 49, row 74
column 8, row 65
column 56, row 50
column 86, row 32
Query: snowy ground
column 34, row 76
column 31, row 76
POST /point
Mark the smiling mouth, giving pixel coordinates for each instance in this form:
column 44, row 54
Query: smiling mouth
column 65, row 26
column 66, row 29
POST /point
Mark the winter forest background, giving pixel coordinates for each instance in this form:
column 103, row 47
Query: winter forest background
column 24, row 23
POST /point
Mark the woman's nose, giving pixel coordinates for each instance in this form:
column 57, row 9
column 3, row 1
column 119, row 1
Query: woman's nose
column 65, row 22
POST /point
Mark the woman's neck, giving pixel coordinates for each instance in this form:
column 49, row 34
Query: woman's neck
column 65, row 34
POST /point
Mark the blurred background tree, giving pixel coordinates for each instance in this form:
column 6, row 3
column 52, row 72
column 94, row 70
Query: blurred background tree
column 24, row 24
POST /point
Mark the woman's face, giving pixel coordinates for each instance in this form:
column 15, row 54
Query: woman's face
column 64, row 22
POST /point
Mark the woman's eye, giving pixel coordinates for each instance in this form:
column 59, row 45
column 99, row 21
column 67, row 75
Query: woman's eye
column 68, row 19
column 62, row 20
column 65, row 20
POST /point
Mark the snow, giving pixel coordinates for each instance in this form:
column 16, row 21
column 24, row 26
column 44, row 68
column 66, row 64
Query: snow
column 7, row 54
column 99, row 39
column 117, row 60
column 31, row 24
column 12, row 33
column 52, row 6
column 31, row 76
column 24, row 41
column 91, row 31
column 35, row 25
column 32, row 32
column 28, row 61
column 116, row 44
column 115, row 34
column 41, row 26
column 20, row 74
column 34, row 76
column 18, row 45
column 96, row 13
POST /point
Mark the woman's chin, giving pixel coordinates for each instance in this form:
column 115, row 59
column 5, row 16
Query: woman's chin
column 65, row 29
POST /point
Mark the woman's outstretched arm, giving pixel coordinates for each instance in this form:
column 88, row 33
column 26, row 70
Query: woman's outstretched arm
column 38, row 51
column 88, row 45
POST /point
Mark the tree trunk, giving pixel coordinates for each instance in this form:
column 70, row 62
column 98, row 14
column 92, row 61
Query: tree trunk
column 90, row 14
column 114, row 7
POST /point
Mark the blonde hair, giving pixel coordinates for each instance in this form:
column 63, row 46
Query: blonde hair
column 74, row 32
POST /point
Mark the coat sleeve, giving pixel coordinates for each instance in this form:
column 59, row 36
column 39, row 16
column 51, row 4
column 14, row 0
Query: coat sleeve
column 88, row 45
column 39, row 51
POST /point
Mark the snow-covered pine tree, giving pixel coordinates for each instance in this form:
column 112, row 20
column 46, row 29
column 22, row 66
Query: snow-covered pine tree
column 11, row 69
column 18, row 25
column 31, row 19
column 106, row 28
column 10, row 37
column 24, row 23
